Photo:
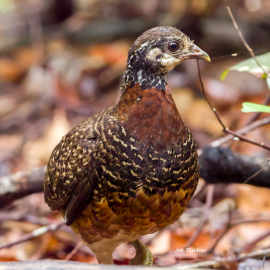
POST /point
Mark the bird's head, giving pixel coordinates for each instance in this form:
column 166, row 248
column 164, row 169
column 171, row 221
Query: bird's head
column 162, row 48
column 155, row 53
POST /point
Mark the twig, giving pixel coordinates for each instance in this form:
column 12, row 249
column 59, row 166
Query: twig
column 207, row 208
column 221, row 261
column 224, row 128
column 203, row 90
column 224, row 56
column 251, row 126
column 74, row 251
column 254, row 254
column 229, row 226
column 255, row 174
column 246, row 139
column 251, row 244
column 21, row 184
column 245, row 43
column 256, row 115
column 226, row 229
column 35, row 233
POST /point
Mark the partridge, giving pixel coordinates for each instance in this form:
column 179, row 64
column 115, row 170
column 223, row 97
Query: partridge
column 129, row 170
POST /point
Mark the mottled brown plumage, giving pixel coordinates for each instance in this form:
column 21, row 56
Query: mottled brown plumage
column 132, row 169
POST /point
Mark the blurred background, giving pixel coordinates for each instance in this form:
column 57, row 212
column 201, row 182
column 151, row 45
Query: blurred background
column 61, row 61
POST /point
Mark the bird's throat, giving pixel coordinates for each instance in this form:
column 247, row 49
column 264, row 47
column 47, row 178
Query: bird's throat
column 151, row 116
column 138, row 72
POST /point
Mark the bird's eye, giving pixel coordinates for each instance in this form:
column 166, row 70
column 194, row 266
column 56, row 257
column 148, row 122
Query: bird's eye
column 173, row 46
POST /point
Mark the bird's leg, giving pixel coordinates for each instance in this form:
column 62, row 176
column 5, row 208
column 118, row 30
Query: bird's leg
column 143, row 254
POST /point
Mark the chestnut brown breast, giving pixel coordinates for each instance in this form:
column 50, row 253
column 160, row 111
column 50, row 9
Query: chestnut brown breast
column 151, row 116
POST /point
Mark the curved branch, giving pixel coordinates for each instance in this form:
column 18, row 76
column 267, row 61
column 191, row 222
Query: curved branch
column 21, row 184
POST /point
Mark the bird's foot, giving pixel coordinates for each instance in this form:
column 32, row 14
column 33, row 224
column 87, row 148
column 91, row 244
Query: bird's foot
column 143, row 255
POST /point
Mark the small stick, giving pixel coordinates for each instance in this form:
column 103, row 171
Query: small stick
column 35, row 233
column 230, row 226
column 251, row 244
column 224, row 128
column 203, row 90
column 226, row 229
column 250, row 125
column 255, row 174
column 254, row 253
column 208, row 204
column 74, row 251
column 245, row 43
column 257, row 114
column 224, row 56
column 259, row 123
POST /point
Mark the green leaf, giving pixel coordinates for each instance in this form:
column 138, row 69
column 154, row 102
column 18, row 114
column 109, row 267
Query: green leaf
column 253, row 107
column 251, row 66
column 224, row 74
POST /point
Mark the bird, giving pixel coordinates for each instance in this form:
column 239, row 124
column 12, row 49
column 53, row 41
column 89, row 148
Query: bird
column 129, row 170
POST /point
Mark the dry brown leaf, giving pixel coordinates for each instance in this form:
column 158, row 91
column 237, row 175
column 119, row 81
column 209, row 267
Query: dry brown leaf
column 252, row 199
column 37, row 152
column 113, row 53
column 10, row 70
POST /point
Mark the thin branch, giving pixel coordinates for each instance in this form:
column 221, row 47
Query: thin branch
column 229, row 226
column 226, row 229
column 261, row 252
column 246, row 139
column 21, row 184
column 35, row 233
column 224, row 56
column 255, row 174
column 251, row 244
column 225, row 129
column 245, row 43
column 249, row 125
column 259, row 123
column 203, row 90
column 74, row 251
column 207, row 209
column 256, row 115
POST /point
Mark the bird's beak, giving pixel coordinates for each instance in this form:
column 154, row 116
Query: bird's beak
column 198, row 53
